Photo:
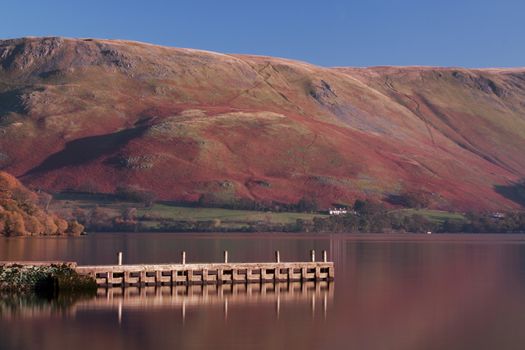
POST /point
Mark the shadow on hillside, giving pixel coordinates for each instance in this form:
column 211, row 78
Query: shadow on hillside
column 86, row 149
column 11, row 102
column 515, row 192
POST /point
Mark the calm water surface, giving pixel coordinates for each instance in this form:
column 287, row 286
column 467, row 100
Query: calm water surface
column 390, row 292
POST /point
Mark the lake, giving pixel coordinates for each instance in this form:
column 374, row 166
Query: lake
column 390, row 292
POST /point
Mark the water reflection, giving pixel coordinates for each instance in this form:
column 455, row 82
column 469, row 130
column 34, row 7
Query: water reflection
column 391, row 292
column 182, row 298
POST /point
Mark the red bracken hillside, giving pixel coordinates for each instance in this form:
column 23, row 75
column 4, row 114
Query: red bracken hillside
column 99, row 114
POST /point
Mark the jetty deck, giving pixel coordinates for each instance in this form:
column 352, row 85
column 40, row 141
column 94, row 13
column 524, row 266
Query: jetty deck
column 187, row 274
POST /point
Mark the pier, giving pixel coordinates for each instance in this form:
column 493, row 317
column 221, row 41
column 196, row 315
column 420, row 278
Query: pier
column 208, row 273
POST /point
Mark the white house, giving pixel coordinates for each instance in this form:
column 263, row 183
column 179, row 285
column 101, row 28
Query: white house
column 338, row 211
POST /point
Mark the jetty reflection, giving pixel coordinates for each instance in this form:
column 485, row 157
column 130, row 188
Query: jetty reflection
column 225, row 295
column 315, row 295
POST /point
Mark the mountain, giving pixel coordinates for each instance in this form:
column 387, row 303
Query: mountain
column 190, row 125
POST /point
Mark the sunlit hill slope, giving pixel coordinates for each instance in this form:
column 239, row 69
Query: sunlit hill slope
column 189, row 125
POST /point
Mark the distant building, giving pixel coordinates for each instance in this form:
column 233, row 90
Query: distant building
column 337, row 211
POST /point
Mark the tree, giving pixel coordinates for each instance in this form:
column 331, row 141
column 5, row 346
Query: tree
column 417, row 223
column 451, row 226
column 75, row 229
column 13, row 223
column 411, row 199
column 98, row 218
column 372, row 216
column 306, row 205
column 136, row 194
column 129, row 214
column 44, row 200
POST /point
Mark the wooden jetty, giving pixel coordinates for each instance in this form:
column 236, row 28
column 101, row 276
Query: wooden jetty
column 208, row 273
column 121, row 275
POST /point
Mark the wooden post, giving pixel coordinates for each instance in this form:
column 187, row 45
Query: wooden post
column 225, row 256
column 220, row 277
column 277, row 257
column 325, row 256
column 312, row 254
column 119, row 258
column 189, row 277
column 183, row 258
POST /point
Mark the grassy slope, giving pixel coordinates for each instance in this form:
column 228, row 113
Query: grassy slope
column 186, row 123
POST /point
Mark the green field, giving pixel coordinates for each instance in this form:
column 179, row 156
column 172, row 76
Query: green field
column 225, row 215
column 437, row 216
column 153, row 216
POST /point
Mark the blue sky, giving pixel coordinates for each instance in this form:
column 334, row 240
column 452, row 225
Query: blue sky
column 470, row 33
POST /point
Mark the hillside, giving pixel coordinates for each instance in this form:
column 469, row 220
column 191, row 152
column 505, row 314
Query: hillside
column 97, row 115
column 20, row 214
